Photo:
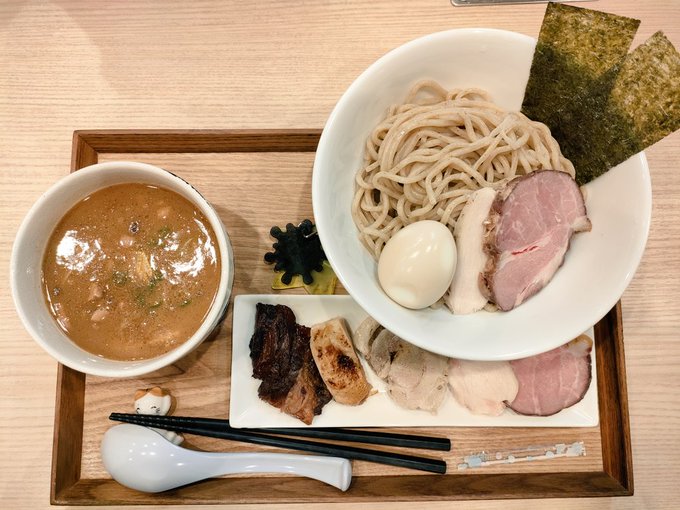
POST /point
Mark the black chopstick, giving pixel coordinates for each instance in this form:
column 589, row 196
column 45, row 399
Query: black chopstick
column 249, row 436
column 366, row 436
column 336, row 434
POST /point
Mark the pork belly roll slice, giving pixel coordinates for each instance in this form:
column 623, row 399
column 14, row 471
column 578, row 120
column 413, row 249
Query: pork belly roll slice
column 416, row 378
column 554, row 380
column 528, row 233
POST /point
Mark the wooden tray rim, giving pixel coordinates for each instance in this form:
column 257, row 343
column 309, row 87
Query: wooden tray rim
column 67, row 488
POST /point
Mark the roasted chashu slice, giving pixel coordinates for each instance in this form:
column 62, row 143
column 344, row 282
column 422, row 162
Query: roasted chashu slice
column 338, row 364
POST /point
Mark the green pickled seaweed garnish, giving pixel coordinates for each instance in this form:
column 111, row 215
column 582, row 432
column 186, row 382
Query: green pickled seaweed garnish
column 158, row 239
column 120, row 278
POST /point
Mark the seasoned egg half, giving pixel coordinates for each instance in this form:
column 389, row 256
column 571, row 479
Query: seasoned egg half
column 417, row 264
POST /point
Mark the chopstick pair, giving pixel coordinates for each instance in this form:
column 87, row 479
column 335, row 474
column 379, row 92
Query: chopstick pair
column 221, row 429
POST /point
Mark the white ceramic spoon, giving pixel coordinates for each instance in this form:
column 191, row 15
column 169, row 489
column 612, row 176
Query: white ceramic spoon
column 142, row 459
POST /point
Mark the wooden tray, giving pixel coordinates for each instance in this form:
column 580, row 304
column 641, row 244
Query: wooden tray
column 256, row 179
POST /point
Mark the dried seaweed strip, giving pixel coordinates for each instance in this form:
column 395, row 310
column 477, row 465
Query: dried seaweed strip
column 641, row 98
column 575, row 52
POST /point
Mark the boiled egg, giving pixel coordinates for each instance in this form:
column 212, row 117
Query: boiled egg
column 417, row 264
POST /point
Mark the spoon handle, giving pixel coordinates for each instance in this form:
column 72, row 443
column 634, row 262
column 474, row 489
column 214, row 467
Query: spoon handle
column 334, row 471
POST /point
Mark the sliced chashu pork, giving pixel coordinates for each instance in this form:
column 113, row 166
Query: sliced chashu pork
column 416, row 379
column 554, row 380
column 529, row 229
column 483, row 387
column 465, row 294
column 427, row 392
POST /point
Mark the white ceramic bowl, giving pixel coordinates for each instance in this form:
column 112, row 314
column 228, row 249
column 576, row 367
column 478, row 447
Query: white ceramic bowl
column 31, row 241
column 598, row 266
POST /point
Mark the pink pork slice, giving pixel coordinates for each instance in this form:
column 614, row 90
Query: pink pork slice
column 531, row 223
column 554, row 380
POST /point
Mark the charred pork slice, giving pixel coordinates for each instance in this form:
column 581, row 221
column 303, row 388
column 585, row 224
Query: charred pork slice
column 309, row 392
column 554, row 380
column 279, row 350
column 529, row 229
column 276, row 351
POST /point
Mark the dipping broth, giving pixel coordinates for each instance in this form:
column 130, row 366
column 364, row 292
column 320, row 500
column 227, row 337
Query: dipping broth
column 131, row 271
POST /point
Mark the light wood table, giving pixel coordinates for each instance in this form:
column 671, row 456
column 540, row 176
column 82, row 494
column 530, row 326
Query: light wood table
column 94, row 65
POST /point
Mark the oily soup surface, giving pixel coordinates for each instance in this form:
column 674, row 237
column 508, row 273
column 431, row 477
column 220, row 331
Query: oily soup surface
column 131, row 271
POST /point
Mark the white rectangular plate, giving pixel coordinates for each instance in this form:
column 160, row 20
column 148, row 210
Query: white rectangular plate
column 247, row 410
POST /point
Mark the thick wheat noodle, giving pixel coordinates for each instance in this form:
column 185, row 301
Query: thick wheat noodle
column 430, row 153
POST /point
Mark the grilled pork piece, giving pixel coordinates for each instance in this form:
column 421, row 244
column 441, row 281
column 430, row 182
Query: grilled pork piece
column 530, row 225
column 338, row 364
column 279, row 349
column 554, row 380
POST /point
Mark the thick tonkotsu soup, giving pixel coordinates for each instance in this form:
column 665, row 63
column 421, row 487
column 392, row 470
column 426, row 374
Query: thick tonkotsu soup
column 131, row 271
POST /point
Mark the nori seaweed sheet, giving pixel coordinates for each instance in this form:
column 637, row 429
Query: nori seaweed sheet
column 575, row 51
column 636, row 104
column 572, row 74
column 647, row 89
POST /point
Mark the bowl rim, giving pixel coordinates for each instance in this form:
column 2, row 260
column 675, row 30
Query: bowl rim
column 139, row 367
column 325, row 237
